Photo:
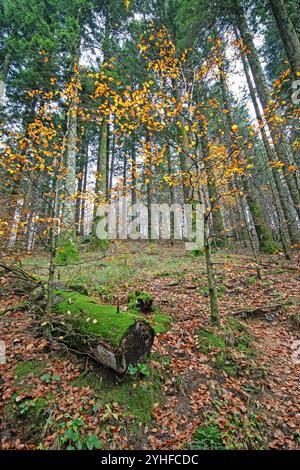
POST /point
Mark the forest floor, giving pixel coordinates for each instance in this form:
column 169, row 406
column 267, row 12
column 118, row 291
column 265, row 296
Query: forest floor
column 202, row 388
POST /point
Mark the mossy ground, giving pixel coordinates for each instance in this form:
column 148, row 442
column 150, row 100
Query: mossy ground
column 28, row 413
column 136, row 396
column 25, row 368
column 224, row 343
column 170, row 273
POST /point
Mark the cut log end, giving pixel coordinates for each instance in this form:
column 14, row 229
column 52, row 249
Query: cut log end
column 135, row 346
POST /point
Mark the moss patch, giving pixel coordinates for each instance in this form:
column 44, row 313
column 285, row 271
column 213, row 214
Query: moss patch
column 226, row 345
column 159, row 321
column 104, row 321
column 208, row 341
column 136, row 397
column 25, row 368
column 140, row 301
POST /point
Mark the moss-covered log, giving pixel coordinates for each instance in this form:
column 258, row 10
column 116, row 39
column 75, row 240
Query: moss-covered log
column 113, row 337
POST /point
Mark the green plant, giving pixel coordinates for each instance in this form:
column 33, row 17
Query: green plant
column 245, row 432
column 71, row 435
column 141, row 369
column 25, row 368
column 251, row 280
column 208, row 340
column 93, row 442
column 48, row 377
column 32, row 406
column 208, row 438
column 66, row 252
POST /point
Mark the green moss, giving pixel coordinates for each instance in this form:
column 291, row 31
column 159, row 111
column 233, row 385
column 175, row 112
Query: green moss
column 105, row 321
column 25, row 368
column 97, row 244
column 159, row 321
column 29, row 409
column 92, row 318
column 251, row 280
column 224, row 361
column 137, row 398
column 240, row 337
column 196, row 253
column 140, row 301
column 207, row 341
column 222, row 342
column 268, row 246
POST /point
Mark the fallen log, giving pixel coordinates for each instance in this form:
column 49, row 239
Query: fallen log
column 258, row 312
column 268, row 312
column 113, row 337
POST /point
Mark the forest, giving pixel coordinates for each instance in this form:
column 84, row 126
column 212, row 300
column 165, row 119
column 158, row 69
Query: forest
column 149, row 225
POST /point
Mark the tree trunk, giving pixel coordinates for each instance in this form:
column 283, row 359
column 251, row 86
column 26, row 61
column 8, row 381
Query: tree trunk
column 3, row 77
column 149, row 188
column 69, row 210
column 172, row 193
column 218, row 226
column 263, row 93
column 271, row 155
column 214, row 309
column 264, row 235
column 133, row 173
column 288, row 34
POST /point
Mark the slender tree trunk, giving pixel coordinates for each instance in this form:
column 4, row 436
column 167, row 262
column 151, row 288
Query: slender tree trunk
column 124, row 173
column 214, row 309
column 3, row 77
column 218, row 226
column 84, row 188
column 80, row 179
column 172, row 193
column 263, row 93
column 69, row 211
column 112, row 162
column 264, row 235
column 149, row 188
column 271, row 156
column 133, row 172
column 288, row 34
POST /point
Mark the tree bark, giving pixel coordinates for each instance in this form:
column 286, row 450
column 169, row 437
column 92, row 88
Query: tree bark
column 280, row 184
column 69, row 211
column 264, row 235
column 263, row 93
column 218, row 226
column 214, row 309
column 288, row 34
